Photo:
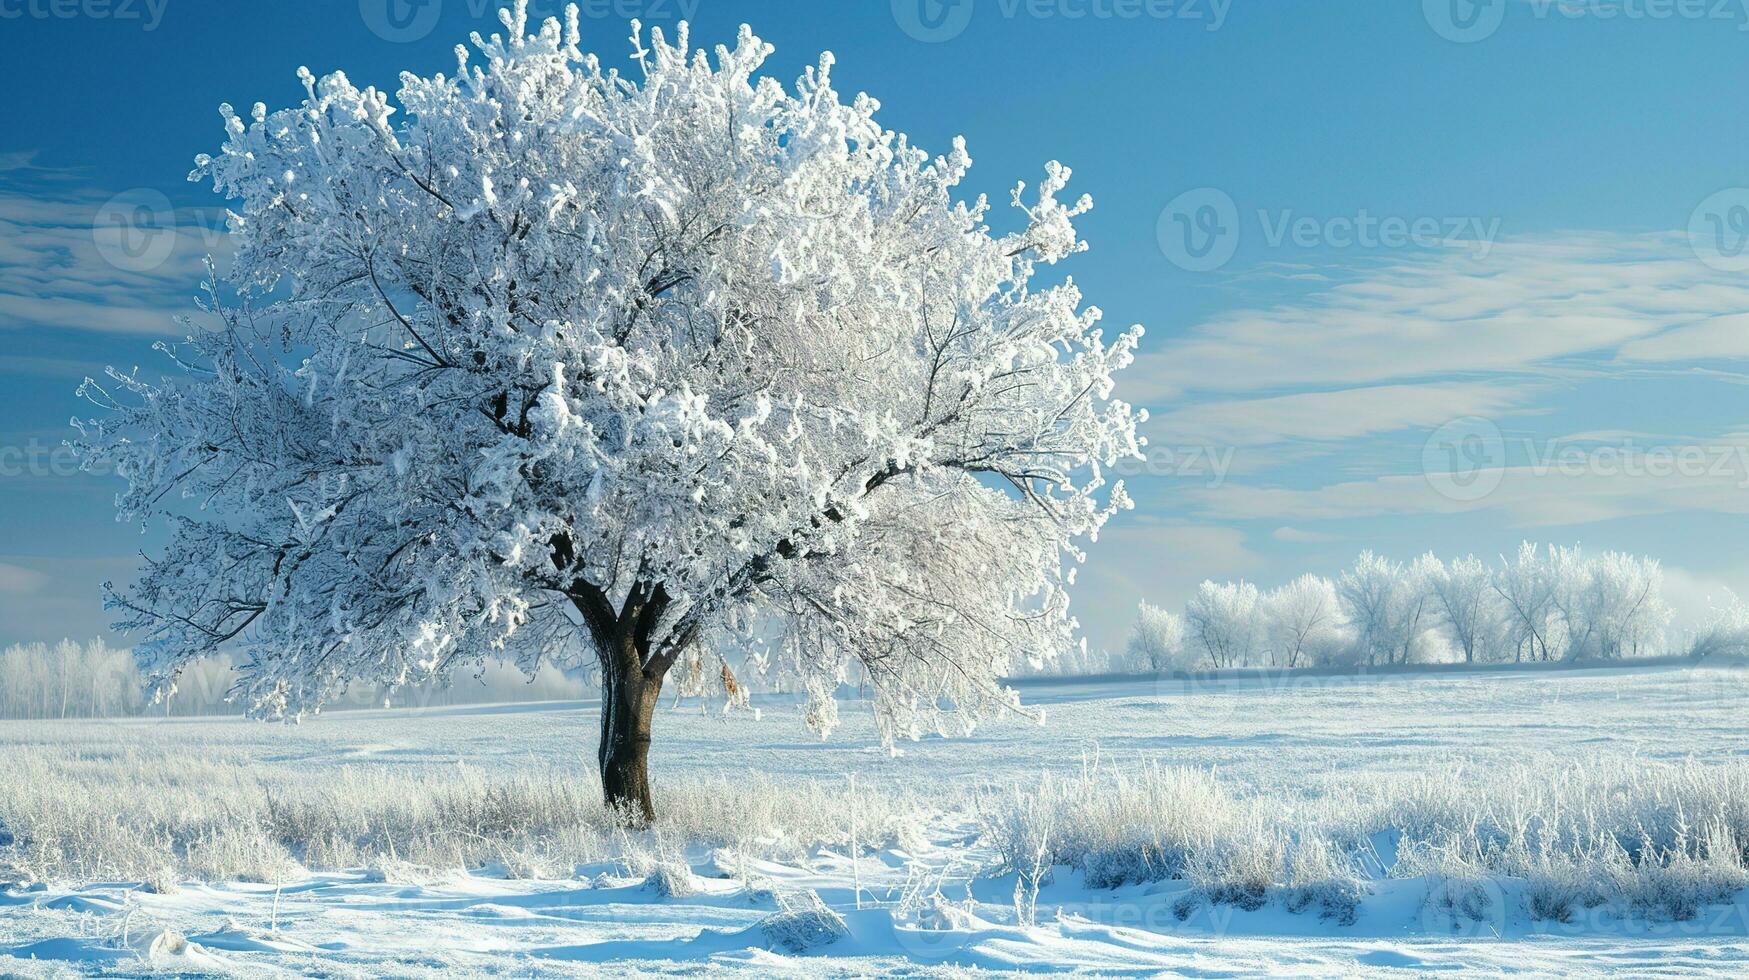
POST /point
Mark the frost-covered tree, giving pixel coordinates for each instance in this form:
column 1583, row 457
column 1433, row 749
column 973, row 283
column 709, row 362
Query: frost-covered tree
column 1611, row 606
column 554, row 361
column 1157, row 639
column 1387, row 603
column 1300, row 618
column 1525, row 586
column 1573, row 598
column 1463, row 592
column 1367, row 591
column 1222, row 619
column 67, row 680
column 1725, row 632
column 1630, row 592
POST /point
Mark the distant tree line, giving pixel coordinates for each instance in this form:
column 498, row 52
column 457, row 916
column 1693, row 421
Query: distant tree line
column 40, row 681
column 1541, row 604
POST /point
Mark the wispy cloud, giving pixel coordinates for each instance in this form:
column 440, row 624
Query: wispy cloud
column 12, row 160
column 1419, row 341
column 1562, row 491
column 1528, row 303
column 1717, row 338
column 1337, row 415
column 95, row 261
column 18, row 580
column 1293, row 535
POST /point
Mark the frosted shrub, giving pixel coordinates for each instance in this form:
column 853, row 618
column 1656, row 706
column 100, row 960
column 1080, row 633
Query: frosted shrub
column 1627, row 837
column 130, row 815
column 1322, row 877
column 1121, row 828
column 1726, row 633
column 1240, row 867
column 803, row 924
column 1655, row 841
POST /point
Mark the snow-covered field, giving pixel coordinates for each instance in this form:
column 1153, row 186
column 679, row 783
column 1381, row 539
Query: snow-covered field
column 170, row 837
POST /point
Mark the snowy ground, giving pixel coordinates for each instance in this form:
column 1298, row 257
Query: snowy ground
column 1301, row 738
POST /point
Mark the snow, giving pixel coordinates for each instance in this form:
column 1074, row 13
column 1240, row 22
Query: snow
column 600, row 919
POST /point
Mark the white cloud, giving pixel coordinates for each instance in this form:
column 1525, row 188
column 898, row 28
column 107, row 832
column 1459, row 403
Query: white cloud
column 1539, row 494
column 17, row 160
column 1527, row 303
column 55, row 275
column 1294, row 535
column 1336, row 415
column 1430, row 337
column 18, row 580
column 1715, row 338
column 60, row 597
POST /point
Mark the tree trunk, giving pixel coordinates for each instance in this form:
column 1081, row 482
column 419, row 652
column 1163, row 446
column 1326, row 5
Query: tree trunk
column 632, row 669
column 628, row 709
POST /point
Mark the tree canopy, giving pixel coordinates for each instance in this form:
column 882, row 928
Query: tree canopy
column 553, row 361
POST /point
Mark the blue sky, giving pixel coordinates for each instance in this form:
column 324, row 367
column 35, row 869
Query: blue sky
column 1368, row 239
